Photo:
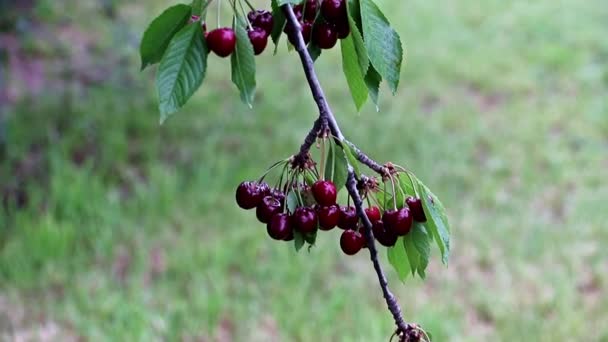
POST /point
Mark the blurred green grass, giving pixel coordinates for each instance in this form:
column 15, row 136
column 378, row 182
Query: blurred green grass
column 502, row 111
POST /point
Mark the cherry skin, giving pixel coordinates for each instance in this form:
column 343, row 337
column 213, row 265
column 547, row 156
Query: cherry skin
column 328, row 217
column 279, row 227
column 312, row 6
column 373, row 214
column 324, row 35
column 249, row 195
column 384, row 237
column 305, row 219
column 325, row 192
column 261, row 19
column 306, row 28
column 351, row 242
column 398, row 222
column 342, row 30
column 348, row 218
column 222, row 41
column 259, row 40
column 267, row 209
column 415, row 205
column 334, row 11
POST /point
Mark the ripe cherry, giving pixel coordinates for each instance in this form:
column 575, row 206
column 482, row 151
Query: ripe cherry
column 386, row 238
column 415, row 205
column 222, row 41
column 325, row 192
column 249, row 195
column 306, row 28
column 305, row 219
column 334, row 11
column 328, row 217
column 398, row 221
column 261, row 19
column 324, row 35
column 310, row 12
column 351, row 242
column 348, row 218
column 259, row 40
column 342, row 30
column 373, row 214
column 267, row 209
column 279, row 226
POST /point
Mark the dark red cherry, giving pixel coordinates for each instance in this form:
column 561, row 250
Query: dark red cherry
column 324, row 35
column 384, row 237
column 261, row 19
column 279, row 227
column 325, row 192
column 259, row 40
column 267, row 209
column 342, row 30
column 306, row 32
column 249, row 195
column 415, row 205
column 305, row 219
column 310, row 12
column 351, row 242
column 334, row 11
column 328, row 217
column 398, row 222
column 222, row 41
column 373, row 214
column 348, row 218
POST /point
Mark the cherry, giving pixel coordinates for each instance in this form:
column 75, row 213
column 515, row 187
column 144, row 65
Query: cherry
column 249, row 194
column 324, row 36
column 351, row 242
column 415, row 205
column 310, row 12
column 267, row 209
column 325, row 192
column 305, row 219
column 328, row 217
column 290, row 236
column 386, row 238
column 279, row 226
column 334, row 11
column 261, row 19
column 342, row 30
column 398, row 221
column 222, row 41
column 306, row 28
column 348, row 218
column 373, row 214
column 258, row 39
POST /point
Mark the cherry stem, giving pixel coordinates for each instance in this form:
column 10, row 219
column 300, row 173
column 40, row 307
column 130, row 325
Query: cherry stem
column 394, row 193
column 250, row 5
column 322, row 166
column 327, row 119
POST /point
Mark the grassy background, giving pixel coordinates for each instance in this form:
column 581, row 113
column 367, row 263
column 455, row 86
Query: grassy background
column 131, row 233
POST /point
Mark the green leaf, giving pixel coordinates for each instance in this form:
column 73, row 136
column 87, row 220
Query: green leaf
column 283, row 2
column 158, row 35
column 314, row 51
column 406, row 185
column 397, row 257
column 359, row 44
column 354, row 11
column 349, row 151
column 197, row 7
column 372, row 81
column 382, row 43
column 423, row 246
column 352, row 71
column 336, row 166
column 311, row 238
column 412, row 253
column 291, row 201
column 279, row 24
column 298, row 240
column 182, row 69
column 243, row 64
column 437, row 221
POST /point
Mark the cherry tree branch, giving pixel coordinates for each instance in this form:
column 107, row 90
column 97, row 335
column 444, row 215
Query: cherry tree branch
column 405, row 331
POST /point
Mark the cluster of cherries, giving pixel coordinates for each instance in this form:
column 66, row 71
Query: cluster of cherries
column 324, row 29
column 326, row 214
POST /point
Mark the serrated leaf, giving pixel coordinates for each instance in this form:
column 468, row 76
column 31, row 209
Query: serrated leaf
column 397, row 257
column 314, row 51
column 298, row 240
column 412, row 253
column 158, row 35
column 406, row 185
column 279, row 24
column 354, row 11
column 423, row 246
column 336, row 166
column 382, row 43
column 352, row 72
column 357, row 39
column 243, row 64
column 182, row 69
column 437, row 221
column 348, row 148
column 372, row 81
column 291, row 201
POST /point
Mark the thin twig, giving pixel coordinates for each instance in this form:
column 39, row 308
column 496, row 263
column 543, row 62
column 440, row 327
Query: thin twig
column 327, row 119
